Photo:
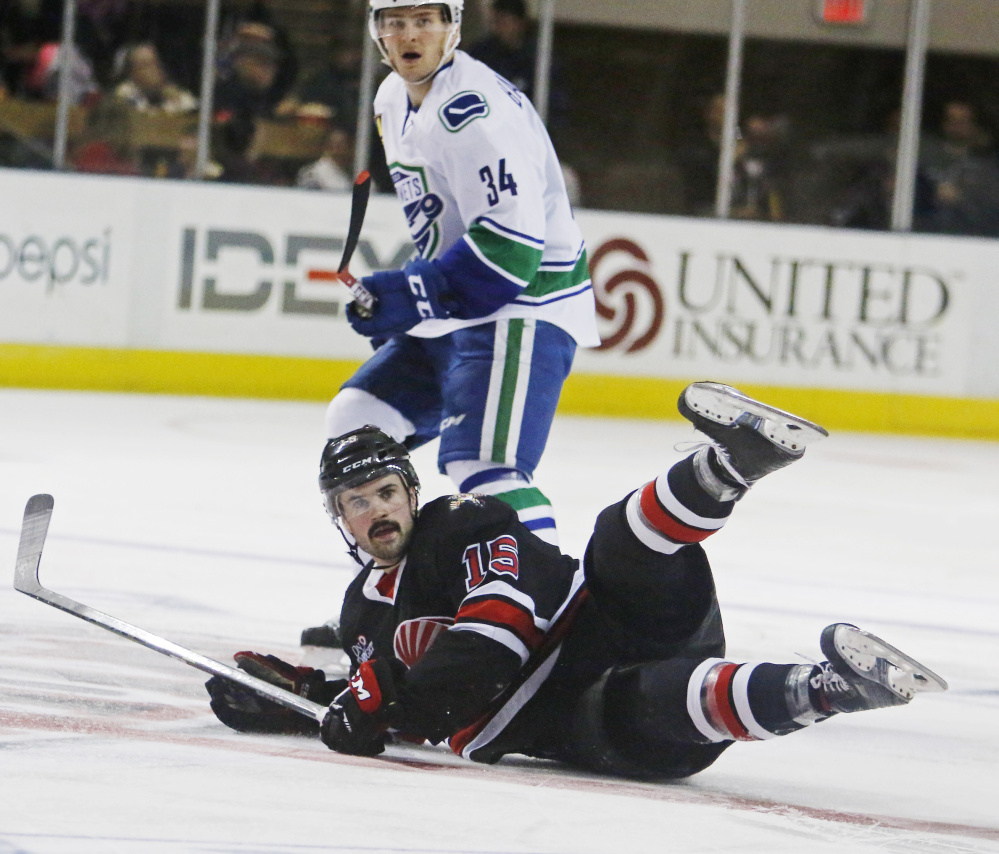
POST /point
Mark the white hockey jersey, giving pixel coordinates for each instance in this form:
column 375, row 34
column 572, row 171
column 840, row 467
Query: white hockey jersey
column 484, row 196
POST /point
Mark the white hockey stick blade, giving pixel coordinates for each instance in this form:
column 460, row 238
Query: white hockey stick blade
column 34, row 528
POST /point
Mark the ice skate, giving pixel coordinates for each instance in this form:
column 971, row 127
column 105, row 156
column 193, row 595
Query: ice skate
column 863, row 672
column 751, row 439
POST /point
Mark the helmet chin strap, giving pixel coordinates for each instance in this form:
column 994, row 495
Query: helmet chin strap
column 362, row 558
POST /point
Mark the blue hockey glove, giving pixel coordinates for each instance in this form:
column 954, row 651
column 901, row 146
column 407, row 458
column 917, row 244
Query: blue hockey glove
column 404, row 297
column 243, row 709
column 360, row 716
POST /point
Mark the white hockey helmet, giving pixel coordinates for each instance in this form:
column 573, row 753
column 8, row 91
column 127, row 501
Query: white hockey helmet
column 454, row 9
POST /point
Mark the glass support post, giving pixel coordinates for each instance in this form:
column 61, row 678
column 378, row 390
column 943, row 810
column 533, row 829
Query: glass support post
column 66, row 55
column 730, row 127
column 906, row 160
column 543, row 62
column 205, row 108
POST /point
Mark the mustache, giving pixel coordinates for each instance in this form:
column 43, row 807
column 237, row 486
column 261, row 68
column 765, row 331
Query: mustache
column 383, row 526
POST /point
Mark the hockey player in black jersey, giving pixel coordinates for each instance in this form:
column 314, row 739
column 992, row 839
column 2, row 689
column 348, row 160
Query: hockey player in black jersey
column 466, row 628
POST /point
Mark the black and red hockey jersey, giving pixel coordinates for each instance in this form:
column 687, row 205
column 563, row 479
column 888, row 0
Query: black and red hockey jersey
column 511, row 596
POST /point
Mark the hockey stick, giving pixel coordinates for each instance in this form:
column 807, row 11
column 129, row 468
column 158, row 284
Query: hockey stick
column 364, row 300
column 37, row 513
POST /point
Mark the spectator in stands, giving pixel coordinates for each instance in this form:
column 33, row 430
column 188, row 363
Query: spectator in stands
column 144, row 84
column 236, row 153
column 42, row 81
column 17, row 44
column 257, row 23
column 256, row 67
column 759, row 188
column 510, row 49
column 698, row 159
column 332, row 91
column 106, row 146
column 760, row 173
column 960, row 165
column 248, row 78
column 333, row 171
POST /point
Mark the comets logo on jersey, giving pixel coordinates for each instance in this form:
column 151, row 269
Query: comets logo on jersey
column 463, row 109
column 422, row 208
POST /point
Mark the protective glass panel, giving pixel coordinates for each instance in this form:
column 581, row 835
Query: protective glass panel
column 285, row 96
column 957, row 179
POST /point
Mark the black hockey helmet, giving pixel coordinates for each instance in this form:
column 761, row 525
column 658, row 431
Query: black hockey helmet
column 360, row 456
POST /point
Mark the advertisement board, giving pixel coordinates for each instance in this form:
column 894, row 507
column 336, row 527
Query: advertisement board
column 188, row 267
column 789, row 306
column 64, row 269
column 245, row 270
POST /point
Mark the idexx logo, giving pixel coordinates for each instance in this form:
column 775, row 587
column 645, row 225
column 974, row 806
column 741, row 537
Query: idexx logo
column 55, row 260
column 422, row 208
column 214, row 263
column 772, row 309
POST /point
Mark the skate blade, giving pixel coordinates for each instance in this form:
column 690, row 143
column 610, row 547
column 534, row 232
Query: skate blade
column 865, row 653
column 726, row 405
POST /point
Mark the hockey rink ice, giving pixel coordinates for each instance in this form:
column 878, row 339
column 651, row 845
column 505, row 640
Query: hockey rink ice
column 200, row 520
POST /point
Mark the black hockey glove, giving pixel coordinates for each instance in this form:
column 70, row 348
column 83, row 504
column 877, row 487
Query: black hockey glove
column 360, row 715
column 244, row 710
column 405, row 297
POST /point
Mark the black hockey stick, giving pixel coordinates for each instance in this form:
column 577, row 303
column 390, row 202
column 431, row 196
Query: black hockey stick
column 37, row 513
column 358, row 206
column 364, row 300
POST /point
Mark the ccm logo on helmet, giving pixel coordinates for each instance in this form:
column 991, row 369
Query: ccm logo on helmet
column 359, row 463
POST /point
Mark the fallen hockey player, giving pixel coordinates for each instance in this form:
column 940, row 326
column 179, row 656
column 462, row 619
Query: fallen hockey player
column 466, row 627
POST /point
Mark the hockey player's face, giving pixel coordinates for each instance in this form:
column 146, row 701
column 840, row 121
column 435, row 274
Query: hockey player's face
column 414, row 38
column 379, row 514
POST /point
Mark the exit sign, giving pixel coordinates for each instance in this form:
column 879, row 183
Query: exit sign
column 844, row 12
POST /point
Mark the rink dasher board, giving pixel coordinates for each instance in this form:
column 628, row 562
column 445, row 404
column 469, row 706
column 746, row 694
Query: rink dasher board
column 174, row 267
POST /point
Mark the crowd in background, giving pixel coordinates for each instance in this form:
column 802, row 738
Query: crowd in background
column 278, row 120
column 130, row 66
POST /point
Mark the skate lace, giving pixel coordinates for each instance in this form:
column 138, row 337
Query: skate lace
column 692, row 445
column 828, row 680
column 720, row 450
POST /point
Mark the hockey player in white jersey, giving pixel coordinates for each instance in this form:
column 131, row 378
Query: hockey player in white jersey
column 480, row 329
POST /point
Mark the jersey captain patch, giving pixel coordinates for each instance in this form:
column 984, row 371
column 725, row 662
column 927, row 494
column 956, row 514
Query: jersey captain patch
column 463, row 109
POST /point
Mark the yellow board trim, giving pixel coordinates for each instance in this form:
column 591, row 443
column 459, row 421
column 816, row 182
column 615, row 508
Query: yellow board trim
column 287, row 378
column 167, row 372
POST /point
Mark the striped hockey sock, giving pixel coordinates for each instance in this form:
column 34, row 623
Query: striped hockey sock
column 750, row 702
column 513, row 487
column 674, row 510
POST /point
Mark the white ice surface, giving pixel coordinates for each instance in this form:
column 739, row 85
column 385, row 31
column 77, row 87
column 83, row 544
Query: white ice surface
column 199, row 520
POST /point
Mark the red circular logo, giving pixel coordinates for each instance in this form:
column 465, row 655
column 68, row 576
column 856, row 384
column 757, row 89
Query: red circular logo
column 630, row 298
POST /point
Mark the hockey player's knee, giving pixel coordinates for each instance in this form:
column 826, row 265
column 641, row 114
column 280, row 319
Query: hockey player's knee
column 354, row 408
column 662, row 600
column 631, row 722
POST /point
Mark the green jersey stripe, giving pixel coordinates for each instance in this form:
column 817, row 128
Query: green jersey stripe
column 516, row 259
column 550, row 281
